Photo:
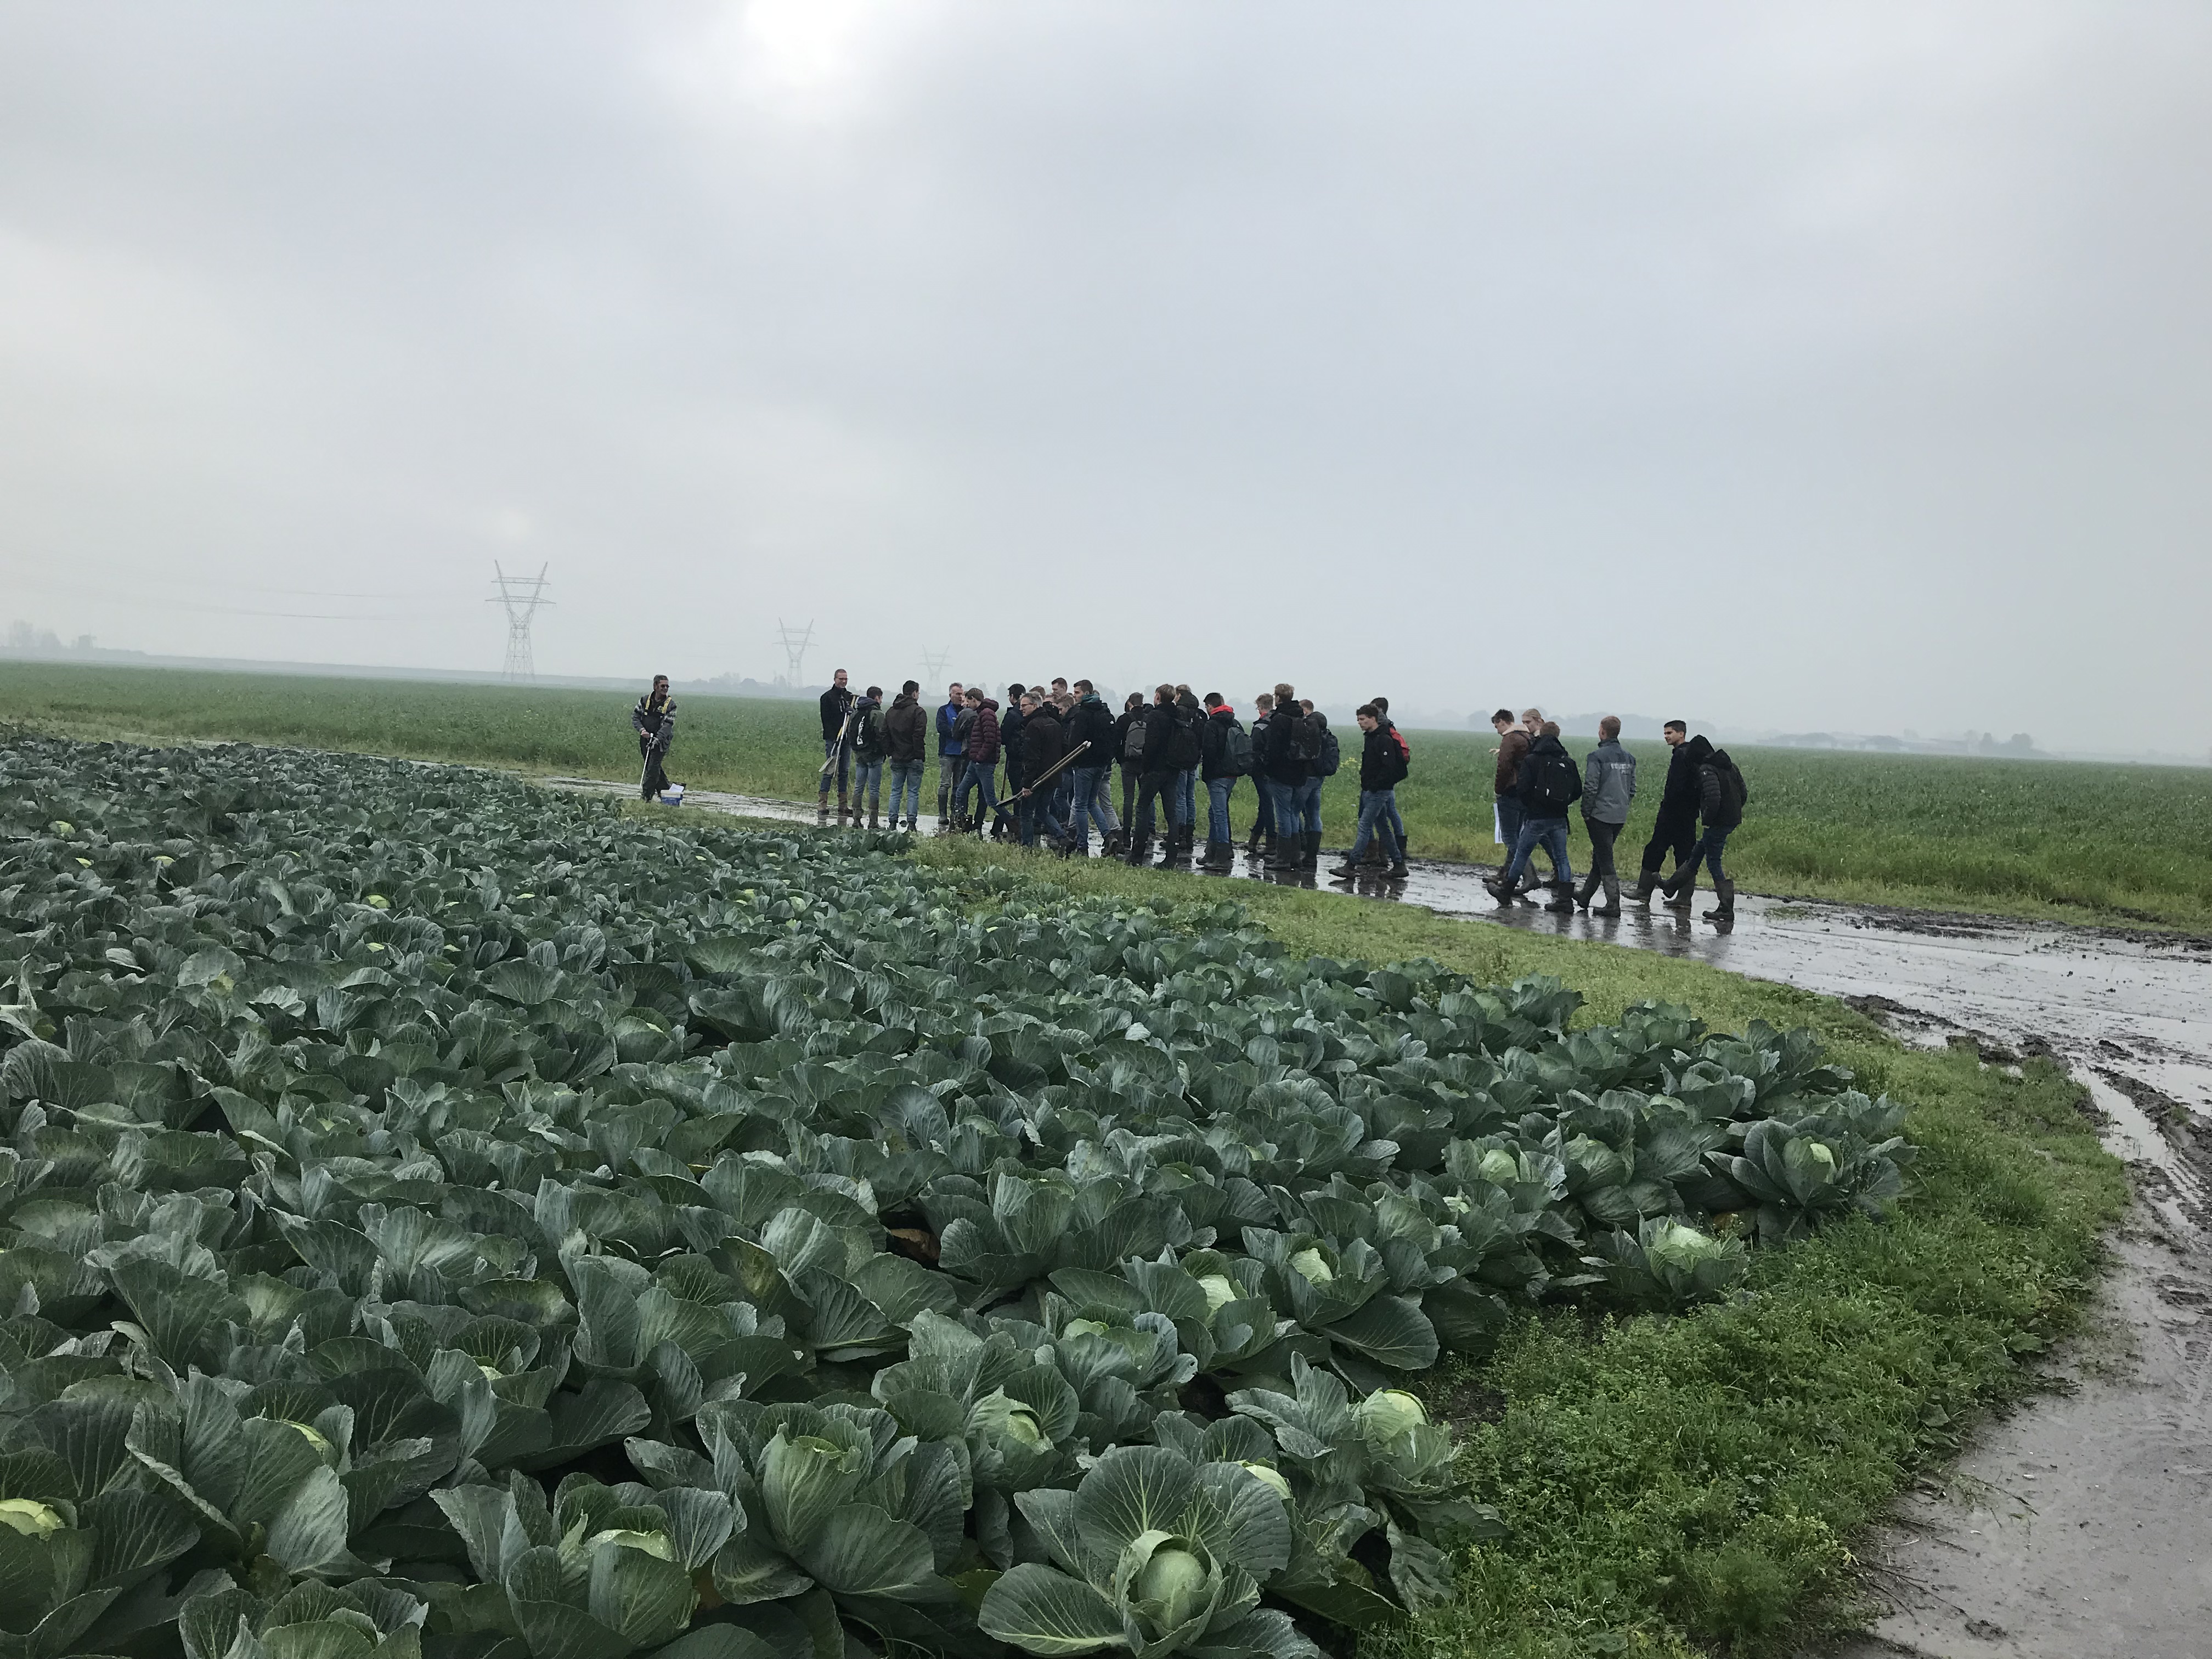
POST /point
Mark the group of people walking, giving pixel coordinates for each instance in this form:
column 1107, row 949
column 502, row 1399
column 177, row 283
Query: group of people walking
column 1537, row 782
column 1040, row 766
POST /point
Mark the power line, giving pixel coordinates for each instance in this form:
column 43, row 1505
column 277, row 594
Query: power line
column 522, row 595
column 795, row 641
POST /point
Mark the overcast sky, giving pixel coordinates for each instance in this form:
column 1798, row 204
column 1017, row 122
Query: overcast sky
column 1843, row 367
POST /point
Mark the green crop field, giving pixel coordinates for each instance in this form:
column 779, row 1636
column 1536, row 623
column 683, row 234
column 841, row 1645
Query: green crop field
column 443, row 1220
column 2094, row 843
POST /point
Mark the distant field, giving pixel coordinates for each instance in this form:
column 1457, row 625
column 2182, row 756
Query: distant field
column 2082, row 842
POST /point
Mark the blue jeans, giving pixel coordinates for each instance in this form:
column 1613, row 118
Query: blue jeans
column 868, row 782
column 906, row 781
column 1397, row 824
column 1186, row 797
column 1037, row 809
column 1217, row 832
column 841, row 751
column 980, row 779
column 1510, row 819
column 1509, row 822
column 1306, row 799
column 1708, row 848
column 1376, row 808
column 1088, row 794
column 1550, row 834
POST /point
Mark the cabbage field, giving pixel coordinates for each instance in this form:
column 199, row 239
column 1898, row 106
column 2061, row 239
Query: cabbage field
column 441, row 1217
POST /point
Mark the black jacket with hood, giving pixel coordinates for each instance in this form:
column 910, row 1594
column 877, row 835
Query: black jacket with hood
column 1721, row 791
column 906, row 729
column 1214, row 736
column 1540, row 752
column 1092, row 722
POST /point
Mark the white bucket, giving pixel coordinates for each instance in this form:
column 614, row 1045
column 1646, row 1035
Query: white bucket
column 673, row 796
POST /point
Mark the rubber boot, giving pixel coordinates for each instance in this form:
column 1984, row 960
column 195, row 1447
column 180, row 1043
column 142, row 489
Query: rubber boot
column 909, row 823
column 1398, row 871
column 1283, row 853
column 1170, row 849
column 1253, row 842
column 1140, row 849
column 1562, row 898
column 1311, row 860
column 1681, row 888
column 872, row 825
column 1496, row 887
column 1645, row 882
column 1724, row 906
column 844, row 805
column 822, row 808
column 1612, row 905
column 1588, row 891
column 1220, row 855
column 1350, row 869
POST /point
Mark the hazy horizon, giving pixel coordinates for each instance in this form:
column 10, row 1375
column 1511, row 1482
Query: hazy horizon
column 1841, row 370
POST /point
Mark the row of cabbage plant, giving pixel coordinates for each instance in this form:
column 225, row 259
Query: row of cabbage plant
column 442, row 1216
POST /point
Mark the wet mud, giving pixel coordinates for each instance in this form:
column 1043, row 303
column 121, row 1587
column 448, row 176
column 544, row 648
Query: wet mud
column 2080, row 1527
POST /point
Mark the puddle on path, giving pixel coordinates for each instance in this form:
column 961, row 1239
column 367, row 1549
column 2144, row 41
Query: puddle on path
column 2083, row 1525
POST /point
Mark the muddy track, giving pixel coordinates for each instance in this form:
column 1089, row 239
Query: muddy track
column 2080, row 1525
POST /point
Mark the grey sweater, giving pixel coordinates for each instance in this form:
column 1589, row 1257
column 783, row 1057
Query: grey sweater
column 1608, row 783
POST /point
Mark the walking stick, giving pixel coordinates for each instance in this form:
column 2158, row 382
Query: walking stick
column 1031, row 787
column 842, row 731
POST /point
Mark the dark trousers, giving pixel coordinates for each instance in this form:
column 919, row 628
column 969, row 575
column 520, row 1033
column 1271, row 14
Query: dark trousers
column 1679, row 834
column 1602, row 834
column 1161, row 787
column 1129, row 777
column 652, row 777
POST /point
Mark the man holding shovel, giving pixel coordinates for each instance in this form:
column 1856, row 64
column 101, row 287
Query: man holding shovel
column 653, row 720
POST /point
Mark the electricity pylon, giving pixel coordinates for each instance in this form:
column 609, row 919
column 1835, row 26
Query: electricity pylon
column 795, row 641
column 522, row 595
column 934, row 663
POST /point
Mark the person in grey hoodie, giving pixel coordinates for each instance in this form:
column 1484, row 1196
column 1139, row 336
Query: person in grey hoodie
column 1608, row 785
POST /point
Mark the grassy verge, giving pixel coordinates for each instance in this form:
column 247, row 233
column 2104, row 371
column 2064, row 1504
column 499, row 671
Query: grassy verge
column 2128, row 845
column 1694, row 1483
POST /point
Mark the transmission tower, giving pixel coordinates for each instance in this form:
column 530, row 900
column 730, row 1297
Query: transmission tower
column 795, row 641
column 934, row 663
column 522, row 595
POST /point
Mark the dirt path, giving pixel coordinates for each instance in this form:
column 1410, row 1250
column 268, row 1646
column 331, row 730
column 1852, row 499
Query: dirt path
column 2081, row 1527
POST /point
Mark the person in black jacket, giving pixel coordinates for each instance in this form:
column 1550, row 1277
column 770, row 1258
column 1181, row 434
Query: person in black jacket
column 1546, row 785
column 1677, row 825
column 1044, row 740
column 653, row 720
column 1263, row 793
column 1289, row 768
column 1160, row 773
column 1382, row 765
column 1093, row 723
column 1218, row 769
column 906, row 747
column 1010, row 737
column 868, row 756
column 1721, row 798
column 836, row 746
column 1132, row 767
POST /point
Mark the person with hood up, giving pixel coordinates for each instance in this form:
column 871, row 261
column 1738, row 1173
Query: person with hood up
column 1608, row 785
column 1224, row 751
column 1677, row 825
column 906, row 748
column 1382, row 765
column 981, row 742
column 1722, row 795
column 653, row 720
column 1548, row 784
column 836, row 746
column 868, row 754
column 1091, row 722
column 1044, row 740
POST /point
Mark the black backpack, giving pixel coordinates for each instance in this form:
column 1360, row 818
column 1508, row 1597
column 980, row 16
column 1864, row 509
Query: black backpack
column 1327, row 755
column 1237, row 750
column 1553, row 787
column 1187, row 747
column 1132, row 740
